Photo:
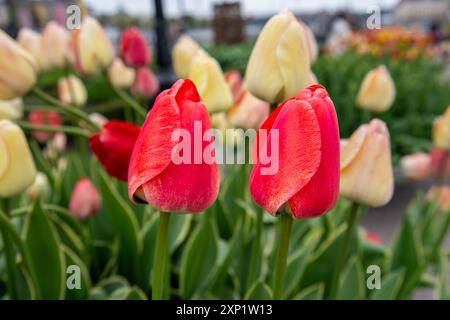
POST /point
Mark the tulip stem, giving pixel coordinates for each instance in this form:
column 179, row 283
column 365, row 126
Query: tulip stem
column 283, row 250
column 9, row 254
column 125, row 97
column 69, row 110
column 343, row 250
column 160, row 255
column 65, row 129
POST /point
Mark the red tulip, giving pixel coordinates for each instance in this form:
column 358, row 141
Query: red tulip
column 85, row 199
column 440, row 163
column 134, row 48
column 114, row 145
column 145, row 84
column 44, row 118
column 307, row 181
column 153, row 176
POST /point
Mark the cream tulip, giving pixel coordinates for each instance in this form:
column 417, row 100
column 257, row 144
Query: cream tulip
column 40, row 189
column 441, row 131
column 248, row 111
column 30, row 40
column 279, row 65
column 313, row 48
column 71, row 90
column 55, row 41
column 17, row 69
column 120, row 75
column 366, row 167
column 17, row 169
column 208, row 77
column 11, row 109
column 377, row 91
column 417, row 166
column 183, row 53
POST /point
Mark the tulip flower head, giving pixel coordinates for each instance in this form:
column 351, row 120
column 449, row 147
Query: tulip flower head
column 366, row 168
column 113, row 147
column 30, row 40
column 307, row 181
column 377, row 91
column 313, row 48
column 17, row 169
column 158, row 174
column 208, row 77
column 17, row 69
column 85, row 200
column 44, row 118
column 71, row 90
column 279, row 65
column 234, row 80
column 248, row 111
column 146, row 84
column 440, row 163
column 40, row 189
column 183, row 53
column 417, row 166
column 441, row 131
column 11, row 109
column 120, row 75
column 134, row 48
column 55, row 40
column 441, row 194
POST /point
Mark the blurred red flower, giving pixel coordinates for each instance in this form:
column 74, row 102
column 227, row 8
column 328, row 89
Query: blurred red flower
column 44, row 118
column 134, row 48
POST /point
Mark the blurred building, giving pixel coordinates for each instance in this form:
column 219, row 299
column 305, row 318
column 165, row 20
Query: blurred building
column 423, row 12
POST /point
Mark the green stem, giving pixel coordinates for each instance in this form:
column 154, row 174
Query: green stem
column 160, row 255
column 65, row 129
column 125, row 97
column 256, row 249
column 69, row 110
column 10, row 256
column 343, row 250
column 280, row 268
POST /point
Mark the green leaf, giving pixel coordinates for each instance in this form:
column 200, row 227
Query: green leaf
column 146, row 257
column 199, row 258
column 259, row 291
column 352, row 286
column 178, row 229
column 390, row 286
column 314, row 292
column 126, row 293
column 85, row 280
column 46, row 256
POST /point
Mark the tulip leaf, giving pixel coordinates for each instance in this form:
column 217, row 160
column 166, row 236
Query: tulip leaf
column 178, row 229
column 199, row 258
column 390, row 286
column 259, row 291
column 46, row 256
column 84, row 280
column 145, row 265
column 26, row 290
column 441, row 284
column 126, row 293
column 314, row 292
column 352, row 286
column 68, row 236
column 124, row 223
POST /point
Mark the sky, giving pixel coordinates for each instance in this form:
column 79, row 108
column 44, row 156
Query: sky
column 203, row 8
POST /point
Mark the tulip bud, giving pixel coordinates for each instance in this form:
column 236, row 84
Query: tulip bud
column 40, row 189
column 17, row 170
column 248, row 111
column 17, row 67
column 134, row 48
column 93, row 49
column 366, row 168
column 279, row 64
column 372, row 237
column 234, row 80
column 158, row 174
column 441, row 194
column 301, row 176
column 113, row 147
column 55, row 46
column 377, row 91
column 46, row 119
column 99, row 119
column 31, row 42
column 441, row 131
column 71, row 90
column 146, row 84
column 120, row 75
column 416, row 166
column 183, row 53
column 11, row 109
column 207, row 75
column 85, row 200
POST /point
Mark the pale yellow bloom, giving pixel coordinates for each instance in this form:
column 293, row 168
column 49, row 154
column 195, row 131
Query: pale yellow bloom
column 30, row 40
column 248, row 111
column 120, row 75
column 11, row 109
column 279, row 64
column 416, row 166
column 17, row 169
column 71, row 90
column 441, row 131
column 377, row 91
column 366, row 167
column 183, row 53
column 55, row 41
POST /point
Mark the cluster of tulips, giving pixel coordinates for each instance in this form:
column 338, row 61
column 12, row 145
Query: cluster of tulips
column 279, row 95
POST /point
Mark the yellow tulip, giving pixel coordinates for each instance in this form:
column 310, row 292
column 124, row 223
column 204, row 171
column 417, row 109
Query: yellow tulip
column 183, row 53
column 71, row 90
column 279, row 64
column 366, row 167
column 120, row 75
column 377, row 91
column 17, row 170
column 40, row 189
column 55, row 46
column 31, row 41
column 208, row 77
column 249, row 112
column 11, row 109
column 441, row 131
column 93, row 49
column 17, row 69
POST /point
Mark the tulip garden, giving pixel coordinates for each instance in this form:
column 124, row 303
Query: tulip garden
column 246, row 178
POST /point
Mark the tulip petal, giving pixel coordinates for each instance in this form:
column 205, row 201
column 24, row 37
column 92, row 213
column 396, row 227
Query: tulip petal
column 352, row 146
column 322, row 191
column 299, row 147
column 3, row 157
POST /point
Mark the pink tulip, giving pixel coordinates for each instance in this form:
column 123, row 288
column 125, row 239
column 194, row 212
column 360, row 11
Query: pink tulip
column 134, row 48
column 85, row 200
column 416, row 166
column 234, row 80
column 145, row 84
